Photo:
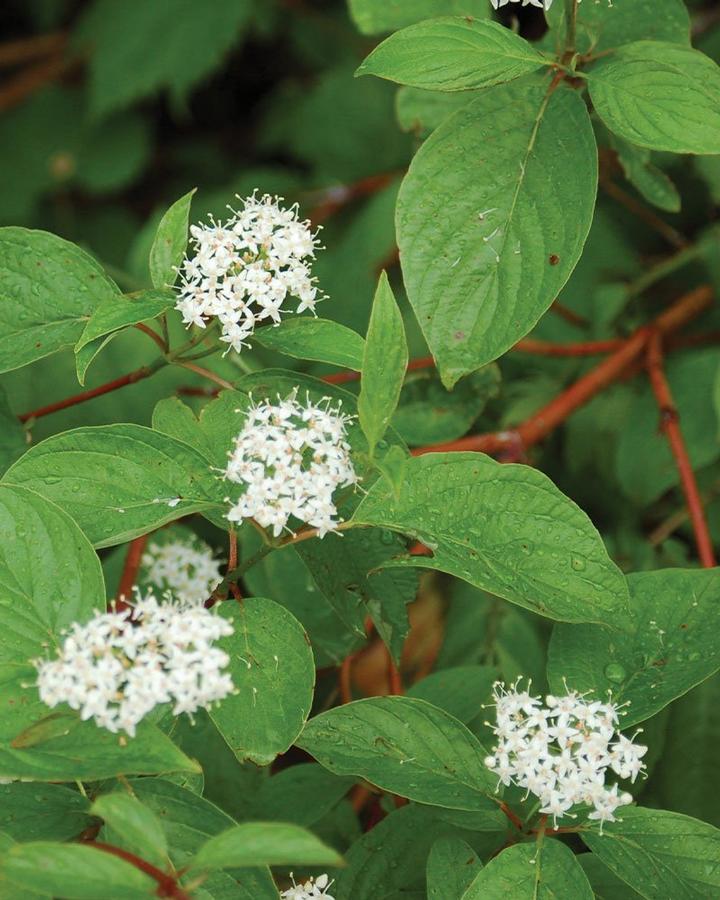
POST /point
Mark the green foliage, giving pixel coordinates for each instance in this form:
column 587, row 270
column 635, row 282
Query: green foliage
column 546, row 351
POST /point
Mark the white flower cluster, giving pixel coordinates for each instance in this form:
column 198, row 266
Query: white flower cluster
column 309, row 890
column 188, row 570
column 561, row 751
column 291, row 457
column 118, row 666
column 243, row 270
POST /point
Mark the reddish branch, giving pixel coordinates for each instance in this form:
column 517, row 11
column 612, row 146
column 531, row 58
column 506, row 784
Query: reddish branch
column 232, row 563
column 543, row 422
column 670, row 426
column 167, row 884
column 335, row 198
column 83, row 397
column 130, row 571
column 25, row 49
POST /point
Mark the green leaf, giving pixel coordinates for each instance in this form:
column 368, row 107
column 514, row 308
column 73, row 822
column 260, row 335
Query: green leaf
column 605, row 884
column 644, row 464
column 659, row 95
column 348, row 570
column 506, row 529
column 272, row 667
column 140, row 48
column 384, row 364
column 12, row 891
column 389, row 861
column 652, row 183
column 393, row 466
column 451, row 866
column 374, row 16
column 452, row 54
column 50, row 576
column 320, row 340
column 118, row 481
column 403, row 745
column 264, row 843
column 687, row 776
column 120, row 312
column 188, row 820
column 35, row 746
column 660, row 854
column 74, row 872
column 461, row 691
column 301, row 794
column 602, row 27
column 34, row 812
column 13, row 442
column 672, row 646
column 540, row 871
column 137, row 826
column 483, row 258
column 49, row 288
column 171, row 237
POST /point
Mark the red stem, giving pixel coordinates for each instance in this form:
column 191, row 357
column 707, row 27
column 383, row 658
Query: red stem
column 130, row 570
column 83, row 397
column 670, row 426
column 232, row 564
column 167, row 884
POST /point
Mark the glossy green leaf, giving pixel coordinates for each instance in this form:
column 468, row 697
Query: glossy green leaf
column 542, row 871
column 421, row 111
column 74, row 872
column 137, row 826
column 605, row 884
column 403, row 745
column 118, row 481
column 12, row 435
column 50, row 576
column 384, row 363
column 483, row 258
column 321, row 340
column 168, row 247
column 121, row 312
column 264, row 843
column 36, row 812
column 451, row 867
column 452, row 54
column 49, row 288
column 660, row 854
column 659, row 95
column 274, row 675
column 672, row 647
column 506, row 529
column 9, row 891
column 188, row 821
column 374, row 16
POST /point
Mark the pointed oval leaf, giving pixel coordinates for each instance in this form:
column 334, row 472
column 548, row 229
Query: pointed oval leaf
column 506, row 529
column 318, row 339
column 137, row 826
column 118, row 481
column 660, row 95
column 168, row 247
column 452, row 54
column 483, row 219
column 273, row 671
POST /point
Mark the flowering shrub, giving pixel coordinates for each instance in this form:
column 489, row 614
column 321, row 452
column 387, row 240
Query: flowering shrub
column 408, row 593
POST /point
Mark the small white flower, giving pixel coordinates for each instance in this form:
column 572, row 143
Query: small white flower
column 290, row 458
column 309, row 890
column 562, row 752
column 242, row 271
column 187, row 569
column 118, row 666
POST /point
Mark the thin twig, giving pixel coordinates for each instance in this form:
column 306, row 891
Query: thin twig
column 130, row 571
column 26, row 49
column 670, row 426
column 153, row 335
column 167, row 884
column 644, row 213
column 206, row 373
